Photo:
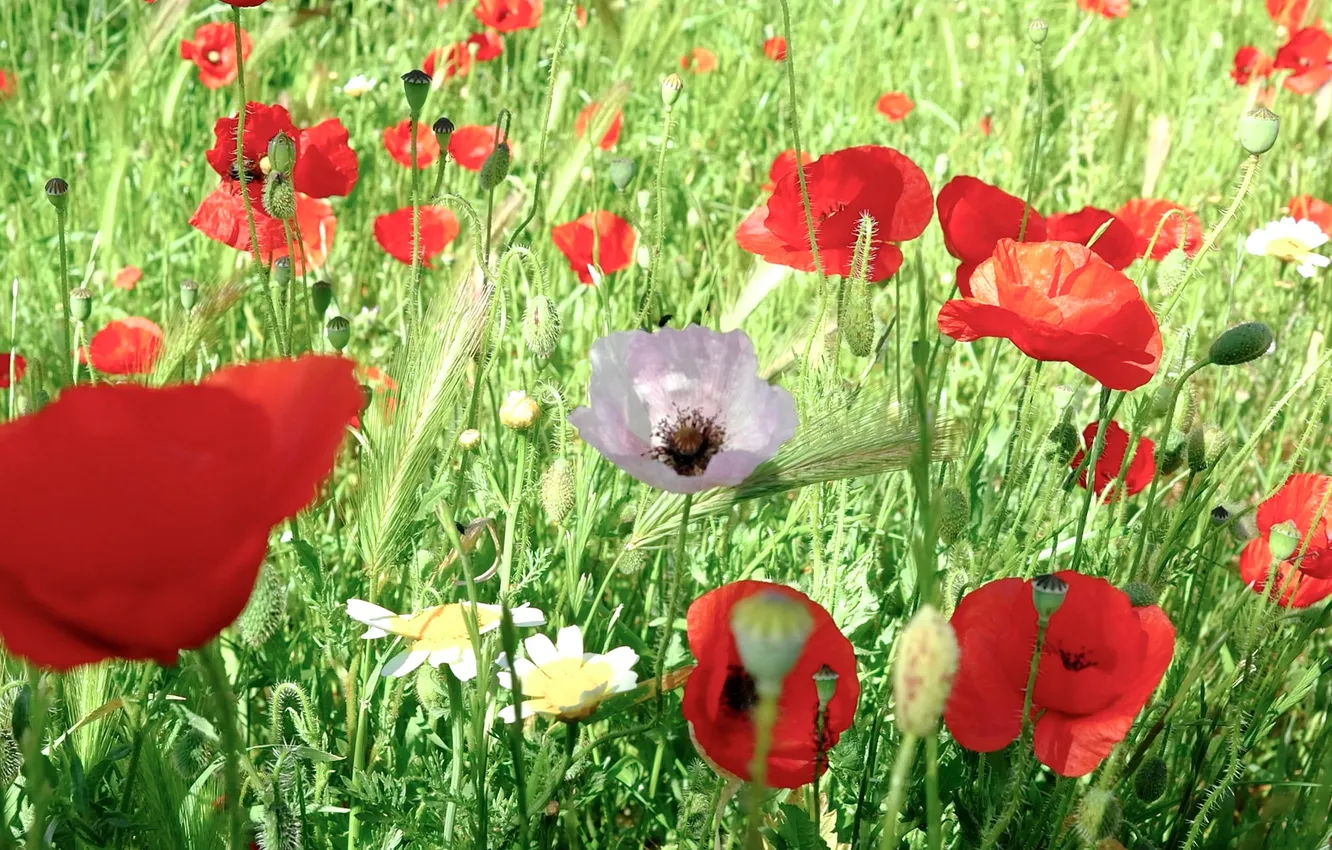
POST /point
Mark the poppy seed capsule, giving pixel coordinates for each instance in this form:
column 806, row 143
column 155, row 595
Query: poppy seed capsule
column 416, row 85
column 56, row 191
column 557, row 490
column 282, row 152
column 469, row 439
column 519, row 411
column 443, row 129
column 927, row 656
column 1149, row 780
column 1258, row 129
column 339, row 332
column 495, row 168
column 1140, row 595
column 1241, row 344
column 367, row 396
column 770, row 630
column 1038, row 30
column 321, row 297
column 825, row 685
column 282, row 271
column 953, row 515
column 1047, row 594
column 541, row 325
column 1283, row 540
column 279, row 198
column 189, row 294
column 622, row 171
column 670, row 89
column 80, row 304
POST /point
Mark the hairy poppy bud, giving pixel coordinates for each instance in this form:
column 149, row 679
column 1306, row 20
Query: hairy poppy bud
column 495, row 168
column 927, row 654
column 443, row 129
column 670, row 89
column 1170, row 273
column 189, row 294
column 541, row 325
column 190, row 754
column 1206, row 445
column 266, row 611
column 1283, row 540
column 279, row 197
column 416, row 85
column 282, row 152
column 519, row 411
column 1149, row 780
column 622, row 171
column 321, row 296
column 282, row 271
column 557, row 490
column 825, row 685
column 954, row 512
column 56, row 191
column 80, row 304
column 857, row 319
column 1241, row 344
column 1099, row 815
column 11, row 758
column 1047, row 593
column 770, row 631
column 1258, row 129
column 432, row 695
column 1066, row 441
column 339, row 332
column 469, row 439
column 1038, row 30
column 631, row 561
column 1140, row 594
column 1172, row 455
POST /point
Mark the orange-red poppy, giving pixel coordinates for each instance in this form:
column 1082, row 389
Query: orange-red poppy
column 213, row 49
column 125, row 347
column 127, row 278
column 1143, row 215
column 895, row 106
column 393, row 232
column 1303, row 583
column 775, row 48
column 397, row 141
column 590, row 116
column 1141, row 468
column 601, row 239
column 699, row 60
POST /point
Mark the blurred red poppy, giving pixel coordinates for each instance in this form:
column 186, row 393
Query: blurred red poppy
column 775, row 48
column 1312, row 209
column 454, row 60
column 1143, row 215
column 245, row 4
column 1106, row 8
column 127, row 278
column 382, row 386
column 1250, row 62
column 8, row 84
column 782, row 165
column 986, row 125
column 1141, row 468
column 18, row 364
column 699, row 60
column 1298, row 501
column 843, row 186
column 1116, row 245
column 1060, row 302
column 1306, row 56
column 393, row 232
column 719, row 695
column 508, row 15
column 590, row 116
column 125, row 347
column 471, row 144
column 397, row 141
column 974, row 216
column 222, row 217
column 1100, row 662
column 1287, row 13
column 600, row 239
column 895, row 106
column 186, row 475
column 213, row 49
column 580, row 16
column 486, row 45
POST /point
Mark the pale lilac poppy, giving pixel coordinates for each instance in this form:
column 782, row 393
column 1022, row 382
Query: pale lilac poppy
column 683, row 410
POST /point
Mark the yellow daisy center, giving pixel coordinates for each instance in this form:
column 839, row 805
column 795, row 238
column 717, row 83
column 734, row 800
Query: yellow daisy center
column 443, row 627
column 568, row 687
column 1287, row 249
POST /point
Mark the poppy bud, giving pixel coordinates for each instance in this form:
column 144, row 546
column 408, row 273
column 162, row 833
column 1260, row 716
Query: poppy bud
column 1170, row 273
column 279, row 197
column 519, row 411
column 1099, row 815
column 1066, row 441
column 189, row 294
column 632, row 561
column 430, row 693
column 443, row 129
column 339, row 332
column 1047, row 593
column 1258, row 130
column 266, row 612
column 80, row 304
column 19, row 711
column 367, row 396
column 557, row 490
column 1149, row 780
column 416, row 85
column 670, row 90
column 282, row 152
column 1171, row 457
column 1037, row 31
column 622, row 171
column 541, row 325
column 11, row 758
column 770, row 631
column 825, row 685
column 1140, row 594
column 1283, row 540
column 495, row 168
column 953, row 515
column 1241, row 344
column 190, row 754
column 56, row 191
column 321, row 296
column 282, row 271
column 1206, row 445
column 469, row 439
column 927, row 654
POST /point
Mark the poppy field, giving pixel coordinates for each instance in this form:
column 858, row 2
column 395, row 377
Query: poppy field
column 792, row 424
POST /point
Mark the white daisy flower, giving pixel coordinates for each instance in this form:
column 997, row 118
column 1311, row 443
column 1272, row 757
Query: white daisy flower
column 1292, row 241
column 359, row 85
column 438, row 635
column 560, row 680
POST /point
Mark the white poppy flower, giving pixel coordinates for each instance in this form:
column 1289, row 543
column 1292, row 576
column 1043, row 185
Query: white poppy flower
column 560, row 680
column 683, row 410
column 1292, row 241
column 437, row 635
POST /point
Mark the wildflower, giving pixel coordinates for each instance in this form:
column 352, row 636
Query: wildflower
column 1142, row 215
column 923, row 673
column 1141, row 468
column 11, row 363
column 1311, row 208
column 590, row 117
column 436, row 635
column 785, row 164
column 200, row 475
column 393, row 232
column 1106, row 8
column 580, row 16
column 1290, row 241
column 683, row 410
column 508, row 15
column 1287, row 14
column 457, row 58
column 775, row 48
column 1100, row 662
column 559, row 680
column 1306, row 56
column 1250, row 62
column 1059, row 302
column 699, row 60
column 127, row 277
column 843, row 186
column 598, row 240
column 469, row 439
column 359, row 85
column 1303, row 582
column 471, row 144
column 244, row 4
column 895, row 106
column 519, row 411
column 986, row 124
column 720, row 693
column 8, row 84
column 125, row 347
column 1115, row 244
column 213, row 49
column 380, row 385
column 398, row 140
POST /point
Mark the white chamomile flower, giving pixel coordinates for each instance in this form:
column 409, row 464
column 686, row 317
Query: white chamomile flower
column 359, row 85
column 1292, row 241
column 437, row 635
column 560, row 680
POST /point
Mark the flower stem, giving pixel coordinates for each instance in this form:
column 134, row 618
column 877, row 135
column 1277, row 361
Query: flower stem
column 675, row 569
column 1089, row 470
column 1035, row 145
column 659, row 225
column 215, row 670
column 933, row 809
column 1246, row 182
column 457, row 719
column 417, row 305
column 906, row 757
column 510, row 640
column 765, row 718
column 64, row 291
column 1019, row 778
column 512, row 509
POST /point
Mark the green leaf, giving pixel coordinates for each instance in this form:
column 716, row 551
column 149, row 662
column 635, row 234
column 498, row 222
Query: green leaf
column 797, row 831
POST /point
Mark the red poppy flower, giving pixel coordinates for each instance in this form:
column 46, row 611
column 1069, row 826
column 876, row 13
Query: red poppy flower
column 125, row 347
column 589, row 116
column 1101, row 660
column 8, row 84
column 127, row 277
column 213, row 49
column 1306, row 55
column 974, row 216
column 1297, row 501
column 222, row 217
column 580, row 16
column 986, row 125
column 1060, row 302
column 784, row 164
column 1142, row 215
column 393, row 232
column 487, row 45
column 1106, row 8
column 186, row 475
column 775, row 48
column 1116, row 245
column 600, row 239
column 20, row 366
column 1141, row 468
column 895, row 106
column 381, row 386
column 454, row 60
column 699, row 60
column 471, row 144
column 508, row 15
column 1250, row 62
column 1287, row 13
column 719, row 694
column 1312, row 209
column 842, row 186
column 245, row 4
column 397, row 141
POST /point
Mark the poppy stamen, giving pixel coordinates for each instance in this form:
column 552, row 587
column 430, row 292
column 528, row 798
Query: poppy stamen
column 739, row 693
column 1074, row 661
column 688, row 441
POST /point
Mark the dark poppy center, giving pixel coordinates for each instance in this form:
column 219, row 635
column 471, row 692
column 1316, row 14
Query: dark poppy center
column 739, row 693
column 253, row 172
column 1075, row 661
column 687, row 441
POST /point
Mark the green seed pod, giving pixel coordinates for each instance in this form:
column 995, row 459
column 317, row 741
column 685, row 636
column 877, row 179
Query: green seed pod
column 1170, row 273
column 1258, row 130
column 339, row 332
column 557, row 490
column 321, row 296
column 1038, row 30
column 1241, row 344
column 443, row 129
column 622, row 172
column 282, row 271
column 1066, row 441
column 279, row 197
column 670, row 89
column 189, row 294
column 495, row 168
column 1283, row 540
column 1149, row 780
column 282, row 152
column 541, row 325
column 191, row 753
column 632, row 561
column 57, row 191
column 80, row 304
column 1140, row 595
column 1207, row 444
column 954, row 515
column 430, row 691
column 1047, row 594
column 11, row 758
column 416, row 86
column 266, row 611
